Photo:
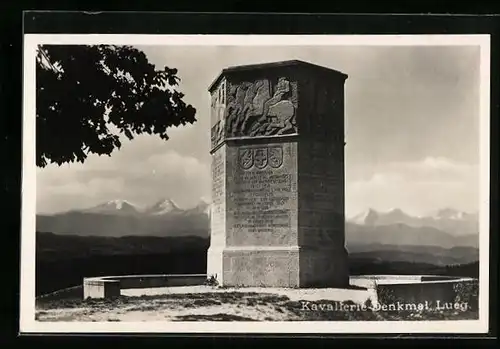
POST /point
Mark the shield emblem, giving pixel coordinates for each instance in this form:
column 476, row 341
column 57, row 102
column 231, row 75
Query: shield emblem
column 260, row 157
column 275, row 157
column 246, row 158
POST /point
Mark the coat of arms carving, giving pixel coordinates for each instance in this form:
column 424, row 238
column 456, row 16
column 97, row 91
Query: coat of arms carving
column 275, row 156
column 245, row 157
column 260, row 157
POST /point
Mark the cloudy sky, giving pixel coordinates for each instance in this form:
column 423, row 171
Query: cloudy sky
column 412, row 131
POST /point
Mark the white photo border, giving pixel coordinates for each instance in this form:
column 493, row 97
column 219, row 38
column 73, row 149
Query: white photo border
column 28, row 324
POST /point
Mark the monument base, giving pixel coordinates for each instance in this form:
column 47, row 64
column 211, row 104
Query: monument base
column 290, row 267
column 322, row 267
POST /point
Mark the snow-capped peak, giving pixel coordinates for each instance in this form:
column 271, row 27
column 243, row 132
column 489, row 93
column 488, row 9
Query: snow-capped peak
column 112, row 206
column 118, row 204
column 373, row 217
column 203, row 206
column 396, row 213
column 163, row 206
column 167, row 204
column 366, row 217
column 451, row 214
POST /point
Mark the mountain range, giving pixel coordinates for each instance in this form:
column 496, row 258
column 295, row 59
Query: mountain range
column 446, row 228
column 447, row 220
column 121, row 218
column 161, row 207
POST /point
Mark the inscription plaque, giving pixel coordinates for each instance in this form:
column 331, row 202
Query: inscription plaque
column 261, row 200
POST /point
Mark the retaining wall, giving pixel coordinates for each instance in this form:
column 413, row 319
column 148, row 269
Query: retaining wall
column 387, row 289
column 420, row 288
column 452, row 291
column 110, row 286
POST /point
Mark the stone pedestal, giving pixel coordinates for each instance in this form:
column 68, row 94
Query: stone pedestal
column 277, row 145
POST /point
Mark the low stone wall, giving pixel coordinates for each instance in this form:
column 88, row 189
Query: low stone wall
column 381, row 289
column 416, row 289
column 110, row 286
column 151, row 281
column 100, row 288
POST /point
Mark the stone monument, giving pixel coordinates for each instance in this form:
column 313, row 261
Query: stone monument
column 277, row 146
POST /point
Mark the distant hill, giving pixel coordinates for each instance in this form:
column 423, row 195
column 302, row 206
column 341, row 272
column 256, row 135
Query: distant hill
column 415, row 254
column 54, row 245
column 76, row 246
column 64, row 260
column 402, row 234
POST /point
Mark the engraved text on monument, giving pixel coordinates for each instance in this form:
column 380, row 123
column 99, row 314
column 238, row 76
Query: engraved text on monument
column 262, row 192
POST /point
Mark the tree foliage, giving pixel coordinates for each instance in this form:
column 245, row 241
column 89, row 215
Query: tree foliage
column 89, row 96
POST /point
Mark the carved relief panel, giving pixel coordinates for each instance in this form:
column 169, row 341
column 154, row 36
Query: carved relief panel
column 218, row 106
column 261, row 108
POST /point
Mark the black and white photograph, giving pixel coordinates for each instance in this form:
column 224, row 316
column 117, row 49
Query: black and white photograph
column 331, row 184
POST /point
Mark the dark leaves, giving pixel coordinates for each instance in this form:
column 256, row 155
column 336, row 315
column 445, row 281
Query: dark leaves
column 81, row 90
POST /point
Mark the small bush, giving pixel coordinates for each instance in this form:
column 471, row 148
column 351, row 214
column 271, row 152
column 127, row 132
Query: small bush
column 211, row 281
column 467, row 292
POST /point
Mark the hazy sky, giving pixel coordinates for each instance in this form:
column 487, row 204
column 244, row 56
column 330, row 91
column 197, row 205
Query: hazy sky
column 412, row 131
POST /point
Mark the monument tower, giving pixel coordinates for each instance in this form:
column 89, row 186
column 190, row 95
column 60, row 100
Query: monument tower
column 277, row 146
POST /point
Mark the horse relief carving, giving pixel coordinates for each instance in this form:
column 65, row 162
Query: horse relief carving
column 252, row 111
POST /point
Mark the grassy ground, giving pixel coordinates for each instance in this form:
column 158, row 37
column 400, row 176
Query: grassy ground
column 228, row 306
